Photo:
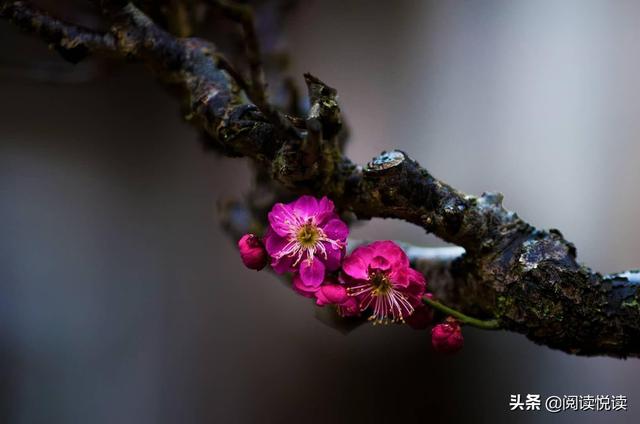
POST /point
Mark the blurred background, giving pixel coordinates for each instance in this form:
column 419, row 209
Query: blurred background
column 122, row 300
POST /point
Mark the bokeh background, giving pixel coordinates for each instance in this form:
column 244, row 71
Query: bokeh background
column 122, row 300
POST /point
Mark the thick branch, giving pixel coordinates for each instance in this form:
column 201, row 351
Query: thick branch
column 526, row 278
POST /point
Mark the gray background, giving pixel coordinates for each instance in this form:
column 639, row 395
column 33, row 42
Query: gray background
column 121, row 300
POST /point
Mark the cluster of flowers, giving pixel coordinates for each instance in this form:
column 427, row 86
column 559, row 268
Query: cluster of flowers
column 308, row 239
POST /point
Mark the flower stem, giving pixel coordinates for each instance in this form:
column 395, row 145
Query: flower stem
column 491, row 324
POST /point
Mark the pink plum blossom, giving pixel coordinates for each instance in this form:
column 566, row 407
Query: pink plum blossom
column 380, row 278
column 306, row 236
column 252, row 252
column 447, row 337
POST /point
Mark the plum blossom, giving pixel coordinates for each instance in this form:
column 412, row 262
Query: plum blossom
column 252, row 252
column 447, row 337
column 380, row 278
column 306, row 236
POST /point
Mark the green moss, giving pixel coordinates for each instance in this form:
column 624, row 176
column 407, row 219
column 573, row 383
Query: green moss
column 503, row 305
column 633, row 303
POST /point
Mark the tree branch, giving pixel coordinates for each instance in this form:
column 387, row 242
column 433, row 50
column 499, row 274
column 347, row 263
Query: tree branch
column 73, row 42
column 528, row 279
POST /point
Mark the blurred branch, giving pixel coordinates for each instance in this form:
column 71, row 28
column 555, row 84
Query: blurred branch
column 243, row 15
column 179, row 18
column 73, row 42
column 257, row 90
column 528, row 279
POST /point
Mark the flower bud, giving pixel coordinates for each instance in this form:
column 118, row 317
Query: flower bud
column 331, row 294
column 447, row 337
column 252, row 252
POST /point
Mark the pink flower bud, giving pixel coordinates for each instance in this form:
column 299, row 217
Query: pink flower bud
column 252, row 252
column 331, row 294
column 447, row 337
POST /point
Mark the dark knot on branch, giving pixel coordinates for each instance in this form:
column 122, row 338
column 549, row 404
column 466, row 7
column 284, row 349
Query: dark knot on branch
column 385, row 162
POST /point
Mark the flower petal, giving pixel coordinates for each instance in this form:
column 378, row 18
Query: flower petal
column 391, row 251
column 282, row 265
column 312, row 272
column 416, row 290
column 335, row 293
column 302, row 289
column 273, row 242
column 336, row 229
column 305, row 207
column 416, row 277
column 325, row 211
column 380, row 263
column 399, row 277
column 355, row 267
column 366, row 253
column 281, row 219
column 334, row 257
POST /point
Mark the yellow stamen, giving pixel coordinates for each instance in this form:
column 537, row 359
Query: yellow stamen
column 380, row 282
column 308, row 235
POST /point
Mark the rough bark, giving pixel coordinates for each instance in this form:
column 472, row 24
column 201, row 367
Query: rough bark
column 527, row 278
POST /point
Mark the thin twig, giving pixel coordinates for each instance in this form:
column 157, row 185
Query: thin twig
column 257, row 92
column 491, row 324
